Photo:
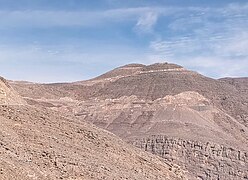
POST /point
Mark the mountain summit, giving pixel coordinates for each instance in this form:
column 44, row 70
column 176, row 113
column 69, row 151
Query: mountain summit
column 134, row 69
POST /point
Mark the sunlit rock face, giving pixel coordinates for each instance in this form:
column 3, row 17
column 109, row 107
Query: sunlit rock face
column 8, row 96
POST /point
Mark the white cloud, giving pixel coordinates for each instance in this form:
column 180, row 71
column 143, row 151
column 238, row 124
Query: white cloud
column 175, row 45
column 43, row 18
column 213, row 41
column 217, row 66
column 147, row 21
column 236, row 45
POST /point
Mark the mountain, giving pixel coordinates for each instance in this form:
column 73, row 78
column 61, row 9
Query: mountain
column 147, row 82
column 186, row 118
column 38, row 143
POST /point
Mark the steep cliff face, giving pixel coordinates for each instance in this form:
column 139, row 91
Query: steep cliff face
column 204, row 160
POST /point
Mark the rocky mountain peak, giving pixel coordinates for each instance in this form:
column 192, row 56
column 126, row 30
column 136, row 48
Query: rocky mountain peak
column 161, row 66
column 132, row 65
column 136, row 69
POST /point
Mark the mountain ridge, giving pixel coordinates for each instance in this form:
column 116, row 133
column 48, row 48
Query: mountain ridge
column 202, row 121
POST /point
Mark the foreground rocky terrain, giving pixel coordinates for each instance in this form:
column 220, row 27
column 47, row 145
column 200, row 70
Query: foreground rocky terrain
column 38, row 143
column 198, row 123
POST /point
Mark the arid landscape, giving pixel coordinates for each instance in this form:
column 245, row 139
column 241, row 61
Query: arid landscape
column 39, row 143
column 158, row 121
column 123, row 90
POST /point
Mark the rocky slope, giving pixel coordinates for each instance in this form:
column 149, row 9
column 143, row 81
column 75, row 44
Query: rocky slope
column 241, row 84
column 142, row 103
column 37, row 143
column 7, row 95
column 203, row 139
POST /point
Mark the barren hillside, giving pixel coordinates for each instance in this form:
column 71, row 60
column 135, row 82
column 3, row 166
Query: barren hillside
column 182, row 116
column 37, row 143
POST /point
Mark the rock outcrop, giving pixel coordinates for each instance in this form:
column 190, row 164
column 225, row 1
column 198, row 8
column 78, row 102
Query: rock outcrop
column 204, row 160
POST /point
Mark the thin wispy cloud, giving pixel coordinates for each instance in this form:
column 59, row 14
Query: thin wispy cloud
column 209, row 39
column 48, row 18
column 147, row 21
column 214, row 41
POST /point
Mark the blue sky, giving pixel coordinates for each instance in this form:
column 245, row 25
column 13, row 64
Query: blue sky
column 70, row 40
